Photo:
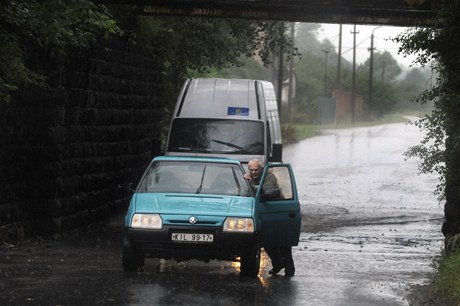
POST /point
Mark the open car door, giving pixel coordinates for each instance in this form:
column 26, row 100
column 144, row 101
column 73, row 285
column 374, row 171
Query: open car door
column 278, row 207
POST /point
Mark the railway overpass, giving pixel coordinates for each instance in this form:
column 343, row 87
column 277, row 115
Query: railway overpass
column 378, row 12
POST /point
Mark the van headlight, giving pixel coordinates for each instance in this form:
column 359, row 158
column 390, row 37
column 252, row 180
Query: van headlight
column 244, row 225
column 152, row 221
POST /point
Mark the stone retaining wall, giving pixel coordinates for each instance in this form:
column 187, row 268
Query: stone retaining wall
column 68, row 152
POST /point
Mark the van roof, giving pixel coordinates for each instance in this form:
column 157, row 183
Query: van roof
column 220, row 98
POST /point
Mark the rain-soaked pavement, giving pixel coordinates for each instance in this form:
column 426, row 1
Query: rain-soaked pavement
column 371, row 230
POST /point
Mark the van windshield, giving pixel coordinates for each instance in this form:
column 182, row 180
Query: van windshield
column 218, row 136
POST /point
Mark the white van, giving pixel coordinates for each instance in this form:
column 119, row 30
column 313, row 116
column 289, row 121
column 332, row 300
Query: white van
column 236, row 118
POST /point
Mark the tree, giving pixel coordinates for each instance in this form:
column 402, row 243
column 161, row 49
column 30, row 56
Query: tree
column 249, row 69
column 386, row 68
column 414, row 83
column 192, row 47
column 440, row 148
column 385, row 98
column 50, row 25
column 437, row 44
column 310, row 72
column 306, row 40
column 417, row 77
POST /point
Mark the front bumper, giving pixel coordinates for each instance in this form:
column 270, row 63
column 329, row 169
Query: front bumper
column 158, row 243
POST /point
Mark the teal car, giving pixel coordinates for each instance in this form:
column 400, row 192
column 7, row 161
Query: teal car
column 202, row 208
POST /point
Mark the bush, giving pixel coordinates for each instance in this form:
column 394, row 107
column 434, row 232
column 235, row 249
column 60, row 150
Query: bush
column 289, row 133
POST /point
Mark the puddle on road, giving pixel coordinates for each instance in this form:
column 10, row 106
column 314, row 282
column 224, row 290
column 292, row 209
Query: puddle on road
column 214, row 283
column 380, row 261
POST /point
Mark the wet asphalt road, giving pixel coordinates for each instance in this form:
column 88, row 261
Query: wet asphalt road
column 371, row 230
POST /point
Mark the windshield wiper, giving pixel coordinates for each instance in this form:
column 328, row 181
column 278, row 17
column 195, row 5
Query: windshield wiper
column 231, row 145
column 202, row 179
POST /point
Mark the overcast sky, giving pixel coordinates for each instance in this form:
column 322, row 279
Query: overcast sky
column 363, row 41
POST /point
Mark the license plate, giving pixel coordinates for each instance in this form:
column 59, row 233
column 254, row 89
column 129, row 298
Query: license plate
column 187, row 237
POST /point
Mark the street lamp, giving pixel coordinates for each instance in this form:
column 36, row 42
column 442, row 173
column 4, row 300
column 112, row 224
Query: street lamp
column 326, row 52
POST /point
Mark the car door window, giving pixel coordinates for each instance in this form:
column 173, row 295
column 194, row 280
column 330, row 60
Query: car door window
column 280, row 216
column 277, row 184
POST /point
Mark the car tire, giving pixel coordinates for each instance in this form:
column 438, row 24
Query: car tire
column 132, row 260
column 250, row 263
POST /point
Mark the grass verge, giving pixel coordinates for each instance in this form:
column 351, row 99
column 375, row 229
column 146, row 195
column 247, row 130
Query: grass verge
column 447, row 281
column 387, row 119
column 292, row 133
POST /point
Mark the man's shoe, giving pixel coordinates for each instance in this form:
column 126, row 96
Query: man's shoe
column 275, row 270
column 289, row 272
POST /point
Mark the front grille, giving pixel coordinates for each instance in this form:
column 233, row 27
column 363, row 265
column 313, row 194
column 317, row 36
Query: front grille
column 186, row 222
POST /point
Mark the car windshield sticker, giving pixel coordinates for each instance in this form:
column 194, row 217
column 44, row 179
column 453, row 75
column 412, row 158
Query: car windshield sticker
column 238, row 111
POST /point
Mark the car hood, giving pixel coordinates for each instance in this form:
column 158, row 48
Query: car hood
column 166, row 203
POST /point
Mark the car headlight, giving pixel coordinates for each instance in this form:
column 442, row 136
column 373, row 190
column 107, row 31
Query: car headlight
column 245, row 225
column 153, row 221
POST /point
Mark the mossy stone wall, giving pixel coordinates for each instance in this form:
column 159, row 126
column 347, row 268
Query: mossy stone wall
column 68, row 152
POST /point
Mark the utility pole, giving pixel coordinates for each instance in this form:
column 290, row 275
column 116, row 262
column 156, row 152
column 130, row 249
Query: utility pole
column 291, row 75
column 353, row 95
column 326, row 51
column 339, row 59
column 280, row 68
column 371, row 70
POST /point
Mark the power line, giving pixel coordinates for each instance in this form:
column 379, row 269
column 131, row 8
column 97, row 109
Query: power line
column 356, row 45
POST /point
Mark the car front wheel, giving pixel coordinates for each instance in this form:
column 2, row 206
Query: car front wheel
column 250, row 263
column 132, row 260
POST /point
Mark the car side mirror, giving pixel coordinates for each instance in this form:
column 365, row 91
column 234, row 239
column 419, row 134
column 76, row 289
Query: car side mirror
column 277, row 153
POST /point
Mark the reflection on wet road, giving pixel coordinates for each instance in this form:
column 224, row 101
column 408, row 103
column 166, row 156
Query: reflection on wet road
column 371, row 230
column 216, row 283
column 372, row 225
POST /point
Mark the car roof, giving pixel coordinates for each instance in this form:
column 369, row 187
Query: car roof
column 198, row 159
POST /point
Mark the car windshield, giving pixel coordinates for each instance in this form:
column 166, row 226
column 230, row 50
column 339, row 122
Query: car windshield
column 195, row 177
column 197, row 135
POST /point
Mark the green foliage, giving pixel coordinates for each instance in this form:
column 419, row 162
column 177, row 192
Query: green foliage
column 439, row 46
column 51, row 25
column 431, row 148
column 247, row 68
column 292, row 133
column 193, row 47
column 289, row 133
column 310, row 78
column 418, row 77
column 303, row 131
column 413, row 85
column 195, row 43
column 385, row 98
column 385, row 67
column 304, row 113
